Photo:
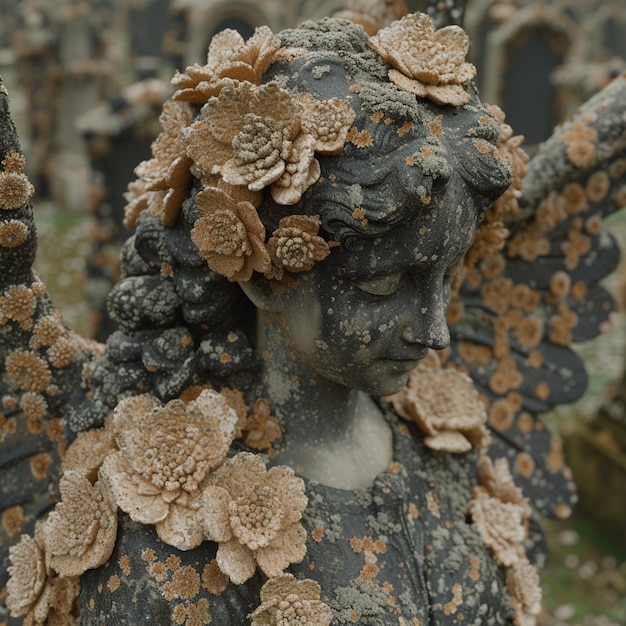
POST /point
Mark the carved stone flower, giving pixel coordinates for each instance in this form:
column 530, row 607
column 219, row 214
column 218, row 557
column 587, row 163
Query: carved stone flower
column 500, row 512
column 523, row 582
column 445, row 405
column 288, row 602
column 500, row 524
column 257, row 136
column 254, row 515
column 81, row 529
column 230, row 235
column 229, row 57
column 167, row 147
column 431, row 64
column 165, row 454
column 88, row 451
column 165, row 178
column 497, row 480
column 295, row 245
column 35, row 591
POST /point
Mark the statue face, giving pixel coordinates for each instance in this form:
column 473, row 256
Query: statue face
column 367, row 315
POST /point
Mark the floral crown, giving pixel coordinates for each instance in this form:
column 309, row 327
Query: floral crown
column 249, row 136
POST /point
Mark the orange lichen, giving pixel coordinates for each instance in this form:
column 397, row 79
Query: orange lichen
column 124, row 563
column 501, row 415
column 39, row 465
column 13, row 233
column 405, row 128
column 435, row 127
column 114, row 583
column 444, row 403
column 581, row 153
column 165, row 454
column 28, row 370
column 254, row 515
column 360, row 138
column 61, row 352
column 55, row 430
column 529, row 332
column 46, row 331
column 432, row 503
column 34, row 406
column 524, row 464
column 229, row 235
column 13, row 520
column 579, row 290
column 451, row 607
column 295, row 245
column 575, row 198
column 15, row 188
column 18, row 304
column 185, row 584
column 213, row 579
column 431, row 64
column 285, row 600
column 598, row 185
column 261, row 429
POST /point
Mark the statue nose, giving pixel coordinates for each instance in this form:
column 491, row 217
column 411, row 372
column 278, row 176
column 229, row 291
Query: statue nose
column 426, row 323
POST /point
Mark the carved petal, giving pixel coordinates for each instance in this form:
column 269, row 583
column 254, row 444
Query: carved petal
column 145, row 509
column 288, row 547
column 180, row 528
column 214, row 515
column 236, row 561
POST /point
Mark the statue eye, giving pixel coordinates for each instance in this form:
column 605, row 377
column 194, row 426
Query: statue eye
column 383, row 286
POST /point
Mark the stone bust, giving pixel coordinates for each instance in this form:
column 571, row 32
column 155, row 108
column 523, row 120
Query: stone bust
column 270, row 437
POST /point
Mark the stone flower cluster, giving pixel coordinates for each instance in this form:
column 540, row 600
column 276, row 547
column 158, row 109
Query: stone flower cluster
column 239, row 137
column 501, row 513
column 247, row 137
column 445, row 404
column 167, row 466
column 431, row 64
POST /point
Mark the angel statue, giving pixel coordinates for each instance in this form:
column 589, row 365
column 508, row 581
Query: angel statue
column 339, row 317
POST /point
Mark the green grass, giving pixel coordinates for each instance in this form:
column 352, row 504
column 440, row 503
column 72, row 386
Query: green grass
column 63, row 248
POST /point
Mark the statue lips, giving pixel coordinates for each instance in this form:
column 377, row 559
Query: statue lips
column 408, row 361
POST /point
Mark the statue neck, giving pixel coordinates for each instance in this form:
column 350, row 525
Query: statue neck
column 331, row 434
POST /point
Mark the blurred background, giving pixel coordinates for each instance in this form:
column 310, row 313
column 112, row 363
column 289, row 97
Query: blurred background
column 87, row 79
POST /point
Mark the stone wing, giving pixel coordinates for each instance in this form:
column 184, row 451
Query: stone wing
column 518, row 313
